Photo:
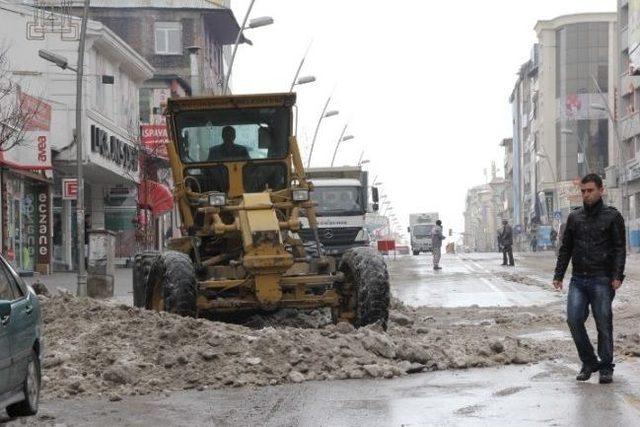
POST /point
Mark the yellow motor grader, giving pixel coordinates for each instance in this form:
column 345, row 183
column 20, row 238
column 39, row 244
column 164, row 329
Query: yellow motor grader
column 240, row 188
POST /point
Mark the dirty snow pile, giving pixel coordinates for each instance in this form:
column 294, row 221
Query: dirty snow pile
column 102, row 348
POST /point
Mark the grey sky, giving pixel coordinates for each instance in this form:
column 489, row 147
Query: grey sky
column 424, row 85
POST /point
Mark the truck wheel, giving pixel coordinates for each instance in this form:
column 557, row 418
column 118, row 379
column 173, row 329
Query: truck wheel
column 172, row 285
column 416, row 253
column 141, row 266
column 365, row 295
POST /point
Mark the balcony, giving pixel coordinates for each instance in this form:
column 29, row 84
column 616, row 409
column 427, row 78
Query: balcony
column 624, row 39
column 629, row 126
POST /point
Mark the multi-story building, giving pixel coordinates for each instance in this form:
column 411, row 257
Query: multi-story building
column 628, row 115
column 186, row 42
column 114, row 73
column 524, row 103
column 183, row 40
column 484, row 212
column 561, row 126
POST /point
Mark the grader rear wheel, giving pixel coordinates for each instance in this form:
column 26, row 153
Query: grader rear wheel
column 365, row 295
column 142, row 263
column 172, row 285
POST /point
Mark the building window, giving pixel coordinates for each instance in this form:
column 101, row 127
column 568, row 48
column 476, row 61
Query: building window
column 168, row 38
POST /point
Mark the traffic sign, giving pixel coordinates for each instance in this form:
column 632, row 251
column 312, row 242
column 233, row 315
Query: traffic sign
column 557, row 215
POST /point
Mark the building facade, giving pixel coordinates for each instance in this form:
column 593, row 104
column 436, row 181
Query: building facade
column 627, row 170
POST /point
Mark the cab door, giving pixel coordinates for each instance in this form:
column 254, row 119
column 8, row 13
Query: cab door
column 22, row 328
column 6, row 294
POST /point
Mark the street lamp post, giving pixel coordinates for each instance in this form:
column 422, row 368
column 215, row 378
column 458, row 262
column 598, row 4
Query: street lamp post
column 82, row 274
column 80, row 212
column 622, row 170
column 583, row 149
column 255, row 23
column 323, row 115
column 342, row 138
column 556, row 198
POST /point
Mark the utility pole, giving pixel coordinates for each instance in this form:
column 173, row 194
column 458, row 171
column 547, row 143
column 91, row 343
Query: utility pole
column 82, row 274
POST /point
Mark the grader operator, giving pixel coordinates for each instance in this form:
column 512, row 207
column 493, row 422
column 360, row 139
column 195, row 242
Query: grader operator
column 240, row 188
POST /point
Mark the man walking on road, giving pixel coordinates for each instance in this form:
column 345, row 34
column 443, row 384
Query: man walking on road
column 506, row 242
column 436, row 244
column 594, row 239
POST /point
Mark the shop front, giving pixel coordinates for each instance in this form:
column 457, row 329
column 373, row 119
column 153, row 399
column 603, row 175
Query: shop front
column 25, row 189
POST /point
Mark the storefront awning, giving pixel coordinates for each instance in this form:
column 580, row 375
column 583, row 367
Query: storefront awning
column 154, row 196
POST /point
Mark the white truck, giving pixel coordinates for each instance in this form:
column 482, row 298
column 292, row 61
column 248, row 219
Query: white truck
column 342, row 197
column 420, row 227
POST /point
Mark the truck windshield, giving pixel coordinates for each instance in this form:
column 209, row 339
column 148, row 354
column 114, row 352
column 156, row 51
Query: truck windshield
column 233, row 135
column 421, row 231
column 337, row 200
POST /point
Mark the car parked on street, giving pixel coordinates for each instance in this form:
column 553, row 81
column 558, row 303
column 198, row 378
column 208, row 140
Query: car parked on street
column 20, row 344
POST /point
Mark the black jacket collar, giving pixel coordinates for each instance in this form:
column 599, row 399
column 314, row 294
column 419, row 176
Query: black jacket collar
column 594, row 209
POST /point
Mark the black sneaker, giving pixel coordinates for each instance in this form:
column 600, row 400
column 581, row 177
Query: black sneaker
column 585, row 372
column 606, row 376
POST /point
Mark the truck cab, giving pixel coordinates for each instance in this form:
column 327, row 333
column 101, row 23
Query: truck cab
column 341, row 195
column 420, row 227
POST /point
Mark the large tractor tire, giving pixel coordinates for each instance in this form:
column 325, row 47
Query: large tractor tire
column 172, row 285
column 142, row 263
column 364, row 295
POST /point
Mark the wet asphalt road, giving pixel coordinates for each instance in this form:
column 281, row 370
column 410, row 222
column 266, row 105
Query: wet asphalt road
column 540, row 394
column 465, row 280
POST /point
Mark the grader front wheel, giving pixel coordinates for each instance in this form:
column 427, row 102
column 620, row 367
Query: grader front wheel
column 365, row 294
column 171, row 285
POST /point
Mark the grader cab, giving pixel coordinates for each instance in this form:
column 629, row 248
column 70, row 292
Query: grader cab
column 240, row 189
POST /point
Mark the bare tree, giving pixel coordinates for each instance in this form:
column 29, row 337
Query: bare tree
column 17, row 110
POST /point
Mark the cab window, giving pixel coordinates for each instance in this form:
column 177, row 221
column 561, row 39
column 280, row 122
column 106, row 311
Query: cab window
column 16, row 290
column 233, row 135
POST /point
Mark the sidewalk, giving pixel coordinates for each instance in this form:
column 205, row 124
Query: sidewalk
column 123, row 286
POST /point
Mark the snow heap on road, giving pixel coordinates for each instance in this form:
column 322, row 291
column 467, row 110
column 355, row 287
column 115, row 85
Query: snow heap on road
column 101, row 348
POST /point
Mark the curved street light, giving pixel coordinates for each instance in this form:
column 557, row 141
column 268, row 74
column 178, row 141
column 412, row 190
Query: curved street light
column 304, row 80
column 295, row 77
column 342, row 138
column 323, row 115
column 254, row 23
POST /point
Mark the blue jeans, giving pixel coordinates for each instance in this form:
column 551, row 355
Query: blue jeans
column 597, row 293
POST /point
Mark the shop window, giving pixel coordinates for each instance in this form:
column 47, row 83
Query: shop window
column 168, row 38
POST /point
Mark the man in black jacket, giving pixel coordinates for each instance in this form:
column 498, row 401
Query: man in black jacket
column 595, row 241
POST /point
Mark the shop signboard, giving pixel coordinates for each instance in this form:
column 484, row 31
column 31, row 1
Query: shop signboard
column 110, row 150
column 43, row 216
column 32, row 149
column 69, row 189
column 154, row 139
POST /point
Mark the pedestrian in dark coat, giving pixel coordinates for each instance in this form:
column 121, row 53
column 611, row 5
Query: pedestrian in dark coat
column 506, row 242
